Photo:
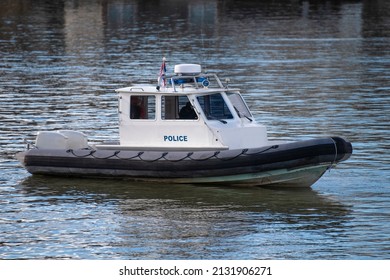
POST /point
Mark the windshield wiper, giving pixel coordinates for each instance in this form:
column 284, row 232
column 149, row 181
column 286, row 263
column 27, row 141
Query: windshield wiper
column 216, row 119
column 241, row 115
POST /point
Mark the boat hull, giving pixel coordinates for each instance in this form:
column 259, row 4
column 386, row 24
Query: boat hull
column 295, row 164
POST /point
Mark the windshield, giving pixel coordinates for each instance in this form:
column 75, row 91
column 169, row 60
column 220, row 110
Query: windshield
column 239, row 105
column 214, row 107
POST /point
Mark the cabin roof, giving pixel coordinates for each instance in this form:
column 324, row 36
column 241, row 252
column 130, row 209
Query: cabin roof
column 147, row 89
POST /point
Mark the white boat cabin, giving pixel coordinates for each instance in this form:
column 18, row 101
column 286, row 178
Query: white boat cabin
column 189, row 110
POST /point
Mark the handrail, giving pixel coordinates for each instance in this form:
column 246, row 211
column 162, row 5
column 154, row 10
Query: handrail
column 29, row 144
column 194, row 78
column 137, row 88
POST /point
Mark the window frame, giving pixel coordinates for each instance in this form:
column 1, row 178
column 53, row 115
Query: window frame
column 146, row 104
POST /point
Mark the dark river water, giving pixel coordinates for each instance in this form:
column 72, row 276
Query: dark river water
column 307, row 69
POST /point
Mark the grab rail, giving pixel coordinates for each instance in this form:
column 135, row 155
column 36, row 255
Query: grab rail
column 137, row 88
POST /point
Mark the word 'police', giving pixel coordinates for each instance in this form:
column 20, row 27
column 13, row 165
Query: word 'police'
column 175, row 138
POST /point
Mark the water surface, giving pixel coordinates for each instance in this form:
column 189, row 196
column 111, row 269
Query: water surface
column 307, row 69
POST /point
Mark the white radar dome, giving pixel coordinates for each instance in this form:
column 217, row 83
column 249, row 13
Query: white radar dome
column 188, row 69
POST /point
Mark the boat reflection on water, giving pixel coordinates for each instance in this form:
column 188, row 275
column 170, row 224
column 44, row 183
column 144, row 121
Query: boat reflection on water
column 111, row 219
column 180, row 202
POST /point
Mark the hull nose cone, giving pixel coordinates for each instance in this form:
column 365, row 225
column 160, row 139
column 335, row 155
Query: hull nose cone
column 344, row 149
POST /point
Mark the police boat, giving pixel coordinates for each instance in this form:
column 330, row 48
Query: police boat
column 191, row 128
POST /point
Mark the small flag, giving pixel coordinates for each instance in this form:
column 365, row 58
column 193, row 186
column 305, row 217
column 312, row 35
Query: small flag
column 163, row 70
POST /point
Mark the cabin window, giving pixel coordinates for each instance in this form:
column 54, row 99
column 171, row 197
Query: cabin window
column 239, row 105
column 214, row 107
column 143, row 107
column 177, row 107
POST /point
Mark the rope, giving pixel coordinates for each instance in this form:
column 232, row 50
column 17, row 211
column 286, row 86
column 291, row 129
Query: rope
column 204, row 159
column 231, row 158
column 79, row 156
column 91, row 153
column 177, row 160
column 116, row 154
column 260, row 152
column 162, row 156
column 130, row 158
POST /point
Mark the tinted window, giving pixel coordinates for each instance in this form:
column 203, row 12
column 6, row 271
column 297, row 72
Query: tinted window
column 214, row 107
column 177, row 107
column 143, row 107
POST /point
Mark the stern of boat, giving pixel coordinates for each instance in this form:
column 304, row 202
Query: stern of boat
column 20, row 157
